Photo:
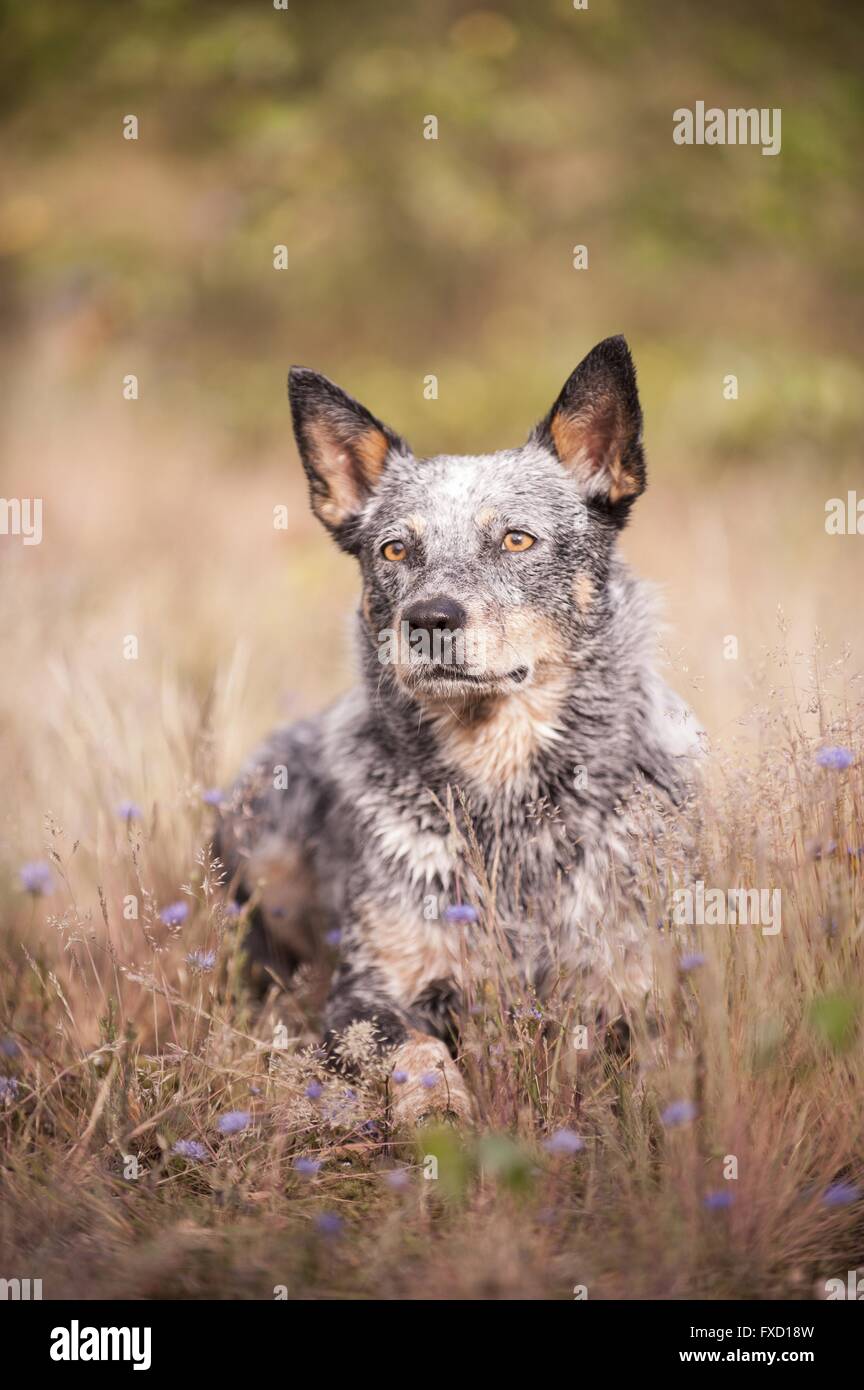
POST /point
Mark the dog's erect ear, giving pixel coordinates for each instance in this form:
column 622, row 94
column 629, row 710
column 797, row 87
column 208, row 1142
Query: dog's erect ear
column 343, row 447
column 595, row 427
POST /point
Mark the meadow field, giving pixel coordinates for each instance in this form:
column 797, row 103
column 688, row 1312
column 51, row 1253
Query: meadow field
column 161, row 1136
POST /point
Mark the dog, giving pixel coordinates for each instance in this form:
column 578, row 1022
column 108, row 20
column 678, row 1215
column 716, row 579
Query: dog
column 479, row 785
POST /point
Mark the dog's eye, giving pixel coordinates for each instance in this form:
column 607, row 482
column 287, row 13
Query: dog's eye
column 514, row 541
column 394, row 550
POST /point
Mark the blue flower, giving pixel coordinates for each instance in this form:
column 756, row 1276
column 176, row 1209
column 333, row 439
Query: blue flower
column 841, row 1194
column 307, row 1166
column 189, row 1148
column 8, row 1088
column 399, row 1077
column 314, row 1090
column 680, row 1112
column 460, row 912
column 430, row 1079
column 232, row 909
column 36, row 877
column 837, row 759
column 213, row 796
column 328, row 1223
column 563, row 1141
column 9, row 1047
column 233, row 1121
column 692, row 961
column 398, row 1179
column 718, row 1201
column 129, row 810
column 333, row 937
column 201, row 962
column 174, row 914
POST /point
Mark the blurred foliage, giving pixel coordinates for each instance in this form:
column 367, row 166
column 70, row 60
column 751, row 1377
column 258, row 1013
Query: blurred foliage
column 410, row 256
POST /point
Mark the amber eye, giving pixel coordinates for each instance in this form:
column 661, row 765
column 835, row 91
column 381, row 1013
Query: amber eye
column 394, row 550
column 515, row 541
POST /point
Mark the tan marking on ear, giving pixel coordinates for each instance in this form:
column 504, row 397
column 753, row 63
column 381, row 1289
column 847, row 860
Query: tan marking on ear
column 338, row 466
column 371, row 448
column 484, row 517
column 329, row 512
column 410, row 1101
column 583, row 592
column 568, row 434
column 622, row 484
column 572, row 437
column 416, row 523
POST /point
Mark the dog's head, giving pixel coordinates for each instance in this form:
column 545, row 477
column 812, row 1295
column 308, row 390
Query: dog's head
column 479, row 572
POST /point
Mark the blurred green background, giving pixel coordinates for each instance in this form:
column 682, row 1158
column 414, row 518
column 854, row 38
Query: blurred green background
column 408, row 256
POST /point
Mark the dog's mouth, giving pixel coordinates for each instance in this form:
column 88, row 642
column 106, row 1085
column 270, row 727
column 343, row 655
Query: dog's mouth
column 442, row 679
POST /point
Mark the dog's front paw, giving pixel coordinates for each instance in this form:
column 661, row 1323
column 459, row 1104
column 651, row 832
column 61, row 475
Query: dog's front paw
column 425, row 1084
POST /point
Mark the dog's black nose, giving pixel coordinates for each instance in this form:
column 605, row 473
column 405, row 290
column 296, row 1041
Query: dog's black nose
column 440, row 613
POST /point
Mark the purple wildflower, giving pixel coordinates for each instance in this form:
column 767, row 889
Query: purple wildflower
column 399, row 1077
column 692, row 961
column 8, row 1088
column 333, row 937
column 213, row 796
column 718, row 1201
column 9, row 1047
column 563, row 1141
column 129, row 810
column 232, row 909
column 36, row 877
column 841, row 1194
column 174, row 914
column 328, row 1223
column 397, row 1179
column 201, row 962
column 680, row 1112
column 460, row 913
column 430, row 1079
column 314, row 1090
column 190, row 1148
column 233, row 1121
column 837, row 759
column 308, row 1167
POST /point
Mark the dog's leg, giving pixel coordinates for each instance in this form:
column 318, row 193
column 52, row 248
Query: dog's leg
column 425, row 1083
column 423, row 1078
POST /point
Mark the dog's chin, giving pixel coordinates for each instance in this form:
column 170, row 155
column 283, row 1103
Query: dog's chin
column 432, row 682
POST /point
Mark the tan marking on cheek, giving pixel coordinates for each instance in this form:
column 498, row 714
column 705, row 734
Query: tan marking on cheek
column 583, row 592
column 416, row 523
column 410, row 1100
column 411, row 952
column 484, row 517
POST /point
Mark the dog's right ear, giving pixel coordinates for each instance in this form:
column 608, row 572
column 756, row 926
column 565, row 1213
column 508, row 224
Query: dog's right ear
column 342, row 446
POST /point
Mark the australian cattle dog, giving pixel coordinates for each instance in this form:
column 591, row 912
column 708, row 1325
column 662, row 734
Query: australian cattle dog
column 480, row 781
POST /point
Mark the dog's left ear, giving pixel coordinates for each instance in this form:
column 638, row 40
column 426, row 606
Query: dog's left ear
column 342, row 446
column 595, row 427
